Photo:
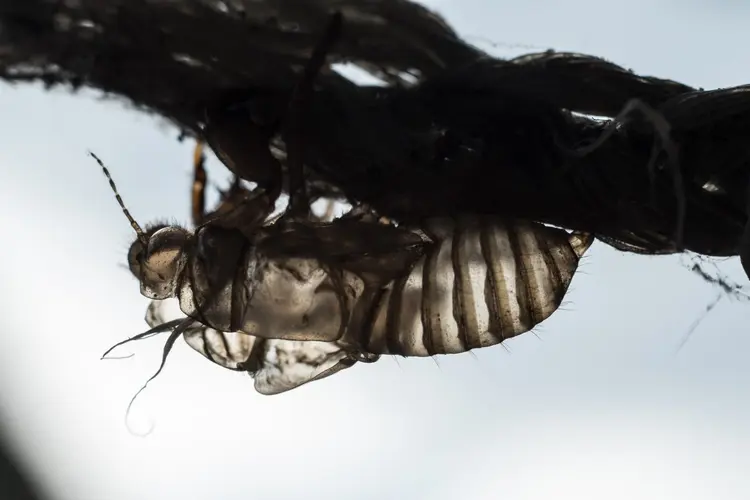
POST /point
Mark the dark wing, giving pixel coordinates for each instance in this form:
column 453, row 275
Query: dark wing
column 242, row 210
column 276, row 365
column 370, row 249
column 242, row 145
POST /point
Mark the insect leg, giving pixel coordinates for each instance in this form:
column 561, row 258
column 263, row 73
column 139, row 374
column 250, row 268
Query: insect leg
column 236, row 185
column 296, row 113
column 199, row 185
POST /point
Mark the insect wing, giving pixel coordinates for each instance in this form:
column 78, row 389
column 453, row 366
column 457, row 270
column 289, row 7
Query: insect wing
column 243, row 210
column 365, row 248
column 291, row 363
column 276, row 365
column 242, row 146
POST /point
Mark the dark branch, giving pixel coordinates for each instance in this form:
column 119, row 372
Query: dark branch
column 453, row 130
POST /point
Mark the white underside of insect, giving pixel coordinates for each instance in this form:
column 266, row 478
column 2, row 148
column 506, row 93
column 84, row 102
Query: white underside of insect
column 275, row 365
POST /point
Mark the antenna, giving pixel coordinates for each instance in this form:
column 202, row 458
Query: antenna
column 138, row 231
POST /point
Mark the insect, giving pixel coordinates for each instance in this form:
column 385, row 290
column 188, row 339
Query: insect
column 275, row 365
column 351, row 289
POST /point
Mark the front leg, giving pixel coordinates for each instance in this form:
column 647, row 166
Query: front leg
column 198, row 194
column 294, row 129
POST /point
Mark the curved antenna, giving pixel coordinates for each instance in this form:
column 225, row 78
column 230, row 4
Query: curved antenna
column 138, row 231
column 145, row 335
column 184, row 324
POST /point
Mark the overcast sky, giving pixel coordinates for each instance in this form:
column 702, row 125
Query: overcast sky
column 598, row 405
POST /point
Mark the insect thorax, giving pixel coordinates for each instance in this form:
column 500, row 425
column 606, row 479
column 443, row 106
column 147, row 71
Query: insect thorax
column 230, row 285
column 215, row 277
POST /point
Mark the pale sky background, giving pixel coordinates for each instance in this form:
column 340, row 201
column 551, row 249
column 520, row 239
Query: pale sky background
column 599, row 406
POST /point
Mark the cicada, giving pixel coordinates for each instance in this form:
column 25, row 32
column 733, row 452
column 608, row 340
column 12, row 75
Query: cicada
column 326, row 294
column 446, row 287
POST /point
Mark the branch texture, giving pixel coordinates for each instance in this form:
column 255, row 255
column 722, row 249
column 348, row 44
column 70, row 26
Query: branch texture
column 450, row 129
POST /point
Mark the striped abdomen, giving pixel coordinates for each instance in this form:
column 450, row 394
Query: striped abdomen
column 484, row 281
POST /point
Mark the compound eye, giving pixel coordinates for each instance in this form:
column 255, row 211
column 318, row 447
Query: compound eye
column 135, row 258
column 165, row 249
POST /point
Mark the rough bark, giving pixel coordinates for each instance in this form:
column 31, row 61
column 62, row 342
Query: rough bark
column 451, row 130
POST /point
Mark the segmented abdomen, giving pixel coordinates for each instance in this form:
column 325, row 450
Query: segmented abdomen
column 484, row 281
